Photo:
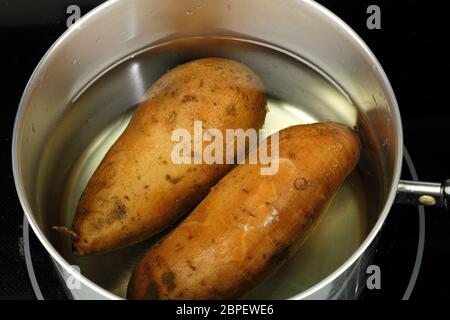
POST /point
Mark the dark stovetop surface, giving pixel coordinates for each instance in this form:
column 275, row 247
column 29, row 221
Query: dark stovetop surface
column 410, row 46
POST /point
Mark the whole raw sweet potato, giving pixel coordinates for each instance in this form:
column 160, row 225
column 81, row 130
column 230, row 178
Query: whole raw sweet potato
column 250, row 223
column 138, row 190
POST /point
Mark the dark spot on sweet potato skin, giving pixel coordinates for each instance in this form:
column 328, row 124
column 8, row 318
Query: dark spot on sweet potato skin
column 231, row 109
column 168, row 278
column 189, row 98
column 118, row 213
column 152, row 292
column 173, row 180
column 171, row 117
column 301, row 184
column 121, row 210
column 319, row 129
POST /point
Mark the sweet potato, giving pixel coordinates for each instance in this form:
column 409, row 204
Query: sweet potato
column 137, row 190
column 249, row 224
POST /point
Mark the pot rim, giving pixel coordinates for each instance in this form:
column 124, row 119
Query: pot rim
column 345, row 266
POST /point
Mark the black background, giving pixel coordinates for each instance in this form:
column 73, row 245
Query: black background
column 412, row 47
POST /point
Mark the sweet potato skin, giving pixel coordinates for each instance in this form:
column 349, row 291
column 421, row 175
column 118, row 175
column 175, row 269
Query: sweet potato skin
column 137, row 190
column 249, row 224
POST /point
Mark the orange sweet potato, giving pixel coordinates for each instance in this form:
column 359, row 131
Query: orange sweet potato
column 137, row 190
column 249, row 224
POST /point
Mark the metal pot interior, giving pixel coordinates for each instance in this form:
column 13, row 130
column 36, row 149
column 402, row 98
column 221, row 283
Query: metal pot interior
column 314, row 68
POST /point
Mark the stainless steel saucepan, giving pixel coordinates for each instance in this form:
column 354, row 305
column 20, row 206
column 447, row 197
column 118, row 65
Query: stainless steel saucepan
column 314, row 66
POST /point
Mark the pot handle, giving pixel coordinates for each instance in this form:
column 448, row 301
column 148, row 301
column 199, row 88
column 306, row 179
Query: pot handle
column 424, row 193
